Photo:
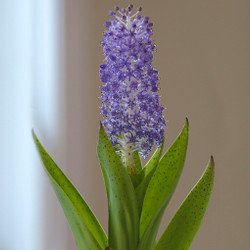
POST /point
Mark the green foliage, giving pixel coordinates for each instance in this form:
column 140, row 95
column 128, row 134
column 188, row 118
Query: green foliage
column 86, row 229
column 134, row 168
column 186, row 222
column 161, row 188
column 123, row 211
column 146, row 175
column 137, row 202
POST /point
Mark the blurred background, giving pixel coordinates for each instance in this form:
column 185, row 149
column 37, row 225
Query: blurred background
column 49, row 61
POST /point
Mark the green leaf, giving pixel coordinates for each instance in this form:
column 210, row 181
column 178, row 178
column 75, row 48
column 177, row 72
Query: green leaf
column 132, row 164
column 161, row 188
column 123, row 211
column 186, row 222
column 137, row 160
column 131, row 161
column 146, row 175
column 86, row 229
column 154, row 160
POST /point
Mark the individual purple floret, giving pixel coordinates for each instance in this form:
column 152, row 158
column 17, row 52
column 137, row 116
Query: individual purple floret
column 131, row 112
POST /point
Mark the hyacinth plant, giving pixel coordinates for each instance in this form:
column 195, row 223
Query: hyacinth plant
column 132, row 124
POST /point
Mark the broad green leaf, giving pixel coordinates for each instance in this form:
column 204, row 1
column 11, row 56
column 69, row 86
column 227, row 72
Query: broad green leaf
column 86, row 229
column 186, row 222
column 146, row 175
column 161, row 188
column 123, row 211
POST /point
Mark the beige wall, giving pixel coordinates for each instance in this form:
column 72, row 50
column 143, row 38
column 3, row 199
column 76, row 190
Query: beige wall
column 203, row 60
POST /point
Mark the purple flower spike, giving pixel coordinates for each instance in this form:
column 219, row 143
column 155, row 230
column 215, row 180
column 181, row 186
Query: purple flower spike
column 131, row 112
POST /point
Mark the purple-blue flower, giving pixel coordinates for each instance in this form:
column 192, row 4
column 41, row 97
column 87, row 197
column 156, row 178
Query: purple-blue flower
column 132, row 115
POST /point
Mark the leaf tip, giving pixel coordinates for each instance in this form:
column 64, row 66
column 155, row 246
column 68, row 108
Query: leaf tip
column 212, row 161
column 34, row 135
column 101, row 128
column 187, row 122
column 212, row 165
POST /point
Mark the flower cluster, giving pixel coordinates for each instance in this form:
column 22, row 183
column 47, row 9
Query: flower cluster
column 131, row 112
